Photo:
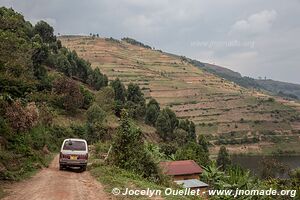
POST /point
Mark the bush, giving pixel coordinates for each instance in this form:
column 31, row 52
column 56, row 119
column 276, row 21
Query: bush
column 168, row 148
column 95, row 114
column 119, row 89
column 223, row 160
column 69, row 95
column 21, row 118
column 104, row 98
column 152, row 112
column 88, row 97
column 128, row 151
column 193, row 151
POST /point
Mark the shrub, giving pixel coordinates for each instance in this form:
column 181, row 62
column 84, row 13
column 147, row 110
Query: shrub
column 95, row 114
column 104, row 98
column 223, row 159
column 45, row 115
column 119, row 89
column 88, row 97
column 21, row 118
column 168, row 148
column 193, row 151
column 128, row 151
column 152, row 112
column 70, row 97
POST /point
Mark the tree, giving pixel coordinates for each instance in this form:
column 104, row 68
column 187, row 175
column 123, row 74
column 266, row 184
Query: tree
column 88, row 97
column 163, row 125
column 95, row 128
column 193, row 151
column 153, row 102
column 120, row 91
column 95, row 114
column 69, row 94
column 152, row 112
column 98, row 79
column 62, row 63
column 135, row 101
column 104, row 98
column 188, row 126
column 223, row 159
column 192, row 131
column 184, row 124
column 45, row 31
column 134, row 93
column 173, row 118
column 202, row 141
column 129, row 153
column 39, row 56
column 181, row 137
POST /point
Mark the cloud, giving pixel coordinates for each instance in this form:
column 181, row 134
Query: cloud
column 256, row 23
column 173, row 25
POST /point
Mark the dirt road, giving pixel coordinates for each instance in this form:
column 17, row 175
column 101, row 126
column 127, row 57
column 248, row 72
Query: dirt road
column 52, row 184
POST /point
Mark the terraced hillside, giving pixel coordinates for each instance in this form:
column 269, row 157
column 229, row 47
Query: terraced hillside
column 230, row 114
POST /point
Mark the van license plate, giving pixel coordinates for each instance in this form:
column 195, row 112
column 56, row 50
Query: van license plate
column 73, row 157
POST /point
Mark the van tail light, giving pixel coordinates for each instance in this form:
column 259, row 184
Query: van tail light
column 84, row 156
column 61, row 155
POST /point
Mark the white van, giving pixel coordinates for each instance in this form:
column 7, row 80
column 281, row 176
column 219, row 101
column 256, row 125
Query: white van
column 73, row 153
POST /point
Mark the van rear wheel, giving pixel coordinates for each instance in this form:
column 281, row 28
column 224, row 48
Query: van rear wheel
column 83, row 168
column 61, row 167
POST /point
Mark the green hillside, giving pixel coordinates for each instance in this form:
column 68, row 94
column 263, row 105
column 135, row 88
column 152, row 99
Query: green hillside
column 283, row 89
column 229, row 113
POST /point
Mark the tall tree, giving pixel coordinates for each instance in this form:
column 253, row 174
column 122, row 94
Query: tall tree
column 192, row 131
column 45, row 31
column 163, row 125
column 136, row 103
column 129, row 153
column 134, row 93
column 69, row 95
column 173, row 118
column 202, row 141
column 223, row 159
column 120, row 90
column 152, row 112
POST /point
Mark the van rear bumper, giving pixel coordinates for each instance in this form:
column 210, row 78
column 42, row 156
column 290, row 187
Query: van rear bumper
column 73, row 162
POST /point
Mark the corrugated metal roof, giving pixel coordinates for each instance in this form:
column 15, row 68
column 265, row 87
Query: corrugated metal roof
column 181, row 167
column 191, row 183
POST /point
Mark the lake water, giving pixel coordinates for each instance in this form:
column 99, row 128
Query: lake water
column 254, row 163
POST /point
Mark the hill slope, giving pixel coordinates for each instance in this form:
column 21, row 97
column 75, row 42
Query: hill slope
column 283, row 89
column 230, row 113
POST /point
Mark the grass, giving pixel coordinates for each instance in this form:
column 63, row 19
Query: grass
column 282, row 148
column 24, row 167
column 113, row 177
column 207, row 129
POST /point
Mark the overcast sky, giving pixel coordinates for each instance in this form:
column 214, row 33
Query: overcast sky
column 253, row 37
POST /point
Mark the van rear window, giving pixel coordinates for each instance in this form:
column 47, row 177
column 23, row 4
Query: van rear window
column 74, row 146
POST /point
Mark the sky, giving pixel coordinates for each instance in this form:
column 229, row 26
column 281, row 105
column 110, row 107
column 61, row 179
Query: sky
column 254, row 37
